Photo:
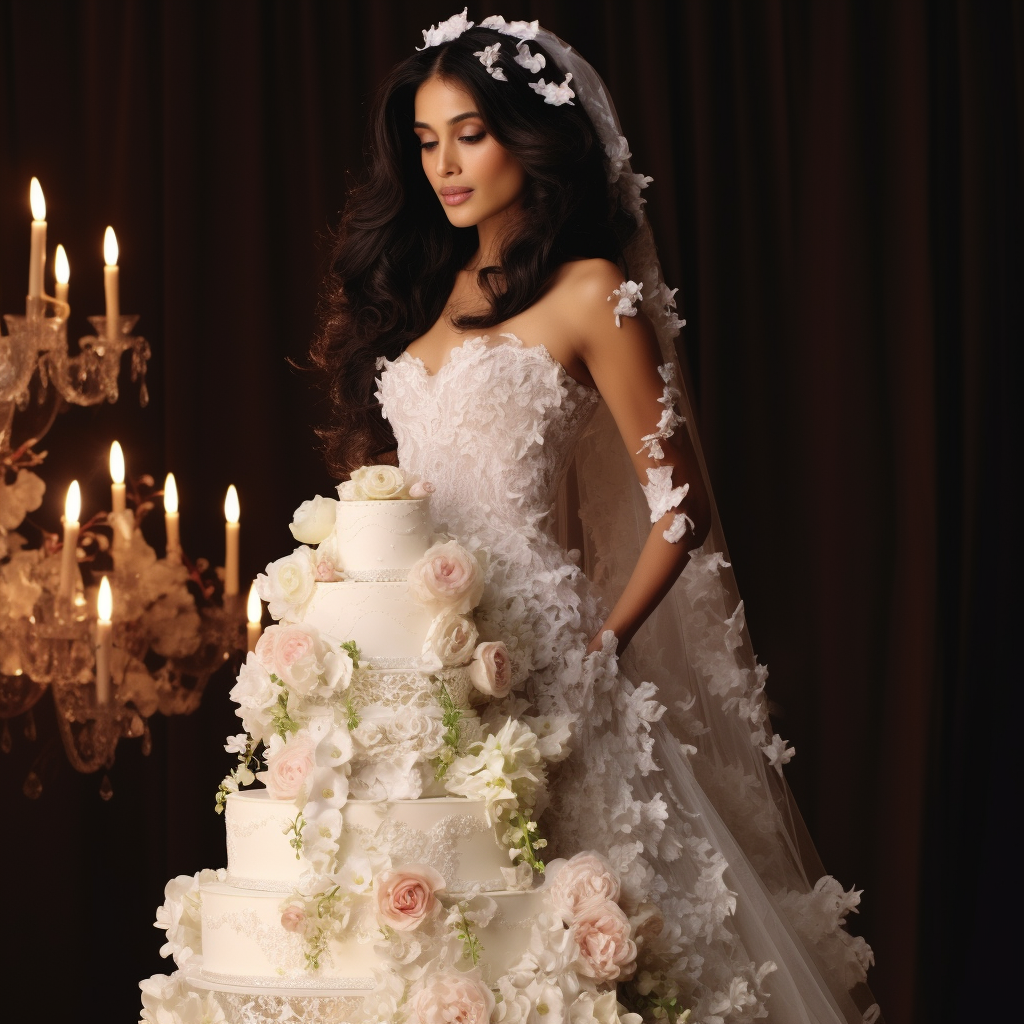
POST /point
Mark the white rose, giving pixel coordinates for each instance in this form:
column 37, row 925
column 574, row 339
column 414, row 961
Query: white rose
column 288, row 583
column 449, row 576
column 450, row 640
column 379, row 483
column 313, row 520
column 423, row 729
column 255, row 694
column 491, row 669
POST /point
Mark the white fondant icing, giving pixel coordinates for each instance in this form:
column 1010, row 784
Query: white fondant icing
column 375, row 536
column 384, row 619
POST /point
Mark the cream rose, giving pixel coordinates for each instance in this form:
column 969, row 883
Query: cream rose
column 584, row 879
column 491, row 669
column 313, row 520
column 289, row 764
column 607, row 950
column 379, row 483
column 405, row 898
column 449, row 576
column 288, row 583
column 452, row 998
column 450, row 640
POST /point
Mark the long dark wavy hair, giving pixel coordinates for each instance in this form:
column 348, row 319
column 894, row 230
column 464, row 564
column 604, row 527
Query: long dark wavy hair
column 395, row 256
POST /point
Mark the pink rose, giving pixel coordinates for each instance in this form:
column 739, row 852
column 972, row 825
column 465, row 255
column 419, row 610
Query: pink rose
column 607, row 952
column 405, row 898
column 325, row 571
column 421, row 489
column 301, row 660
column 491, row 669
column 584, row 879
column 447, row 575
column 289, row 764
column 453, row 999
column 293, row 918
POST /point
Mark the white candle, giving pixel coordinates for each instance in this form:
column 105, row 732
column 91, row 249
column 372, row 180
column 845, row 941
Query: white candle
column 104, row 639
column 231, row 511
column 61, row 274
column 117, row 490
column 69, row 559
column 37, row 256
column 171, row 519
column 110, row 288
column 254, row 613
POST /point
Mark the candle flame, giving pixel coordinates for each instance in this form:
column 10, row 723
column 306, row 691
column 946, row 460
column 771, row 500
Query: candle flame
column 231, row 509
column 170, row 494
column 61, row 267
column 36, row 200
column 105, row 601
column 73, row 503
column 116, row 463
column 110, row 247
column 254, row 607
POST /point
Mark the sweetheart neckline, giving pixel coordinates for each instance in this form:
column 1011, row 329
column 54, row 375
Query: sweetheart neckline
column 515, row 343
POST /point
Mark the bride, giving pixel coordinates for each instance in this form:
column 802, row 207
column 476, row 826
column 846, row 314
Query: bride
column 495, row 318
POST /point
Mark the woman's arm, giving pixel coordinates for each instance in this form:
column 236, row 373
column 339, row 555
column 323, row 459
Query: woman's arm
column 623, row 362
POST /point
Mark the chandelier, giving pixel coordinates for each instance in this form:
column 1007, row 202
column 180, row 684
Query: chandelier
column 92, row 614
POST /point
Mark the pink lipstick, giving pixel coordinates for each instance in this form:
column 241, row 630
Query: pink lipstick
column 452, row 195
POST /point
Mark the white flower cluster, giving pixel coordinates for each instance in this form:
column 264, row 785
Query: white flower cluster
column 555, row 93
column 629, row 293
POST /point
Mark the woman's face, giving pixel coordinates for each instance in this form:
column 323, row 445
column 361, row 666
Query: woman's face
column 474, row 177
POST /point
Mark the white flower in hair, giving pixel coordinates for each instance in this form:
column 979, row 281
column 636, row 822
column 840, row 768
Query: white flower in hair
column 629, row 294
column 531, row 61
column 446, row 30
column 488, row 55
column 520, row 29
column 554, row 94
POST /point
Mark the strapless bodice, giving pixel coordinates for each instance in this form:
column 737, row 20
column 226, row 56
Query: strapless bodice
column 493, row 430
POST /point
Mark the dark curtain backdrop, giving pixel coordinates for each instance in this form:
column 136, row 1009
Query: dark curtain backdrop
column 838, row 195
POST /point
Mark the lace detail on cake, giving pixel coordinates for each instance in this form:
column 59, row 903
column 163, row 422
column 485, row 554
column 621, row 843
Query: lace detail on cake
column 372, row 576
column 281, row 948
column 439, row 847
column 260, row 884
column 305, row 982
column 257, row 1008
column 396, row 689
column 235, row 831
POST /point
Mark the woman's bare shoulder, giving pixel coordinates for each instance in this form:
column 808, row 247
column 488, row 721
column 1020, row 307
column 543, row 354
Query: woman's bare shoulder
column 586, row 280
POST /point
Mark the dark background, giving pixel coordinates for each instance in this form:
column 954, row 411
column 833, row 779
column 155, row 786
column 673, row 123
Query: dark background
column 838, row 195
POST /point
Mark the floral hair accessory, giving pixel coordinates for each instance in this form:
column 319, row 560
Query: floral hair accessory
column 446, row 31
column 488, row 55
column 519, row 29
column 554, row 94
column 531, row 61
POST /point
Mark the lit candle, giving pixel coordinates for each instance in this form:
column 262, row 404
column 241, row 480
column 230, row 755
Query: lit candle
column 171, row 519
column 254, row 612
column 231, row 542
column 37, row 257
column 104, row 627
column 69, row 560
column 61, row 274
column 117, row 502
column 110, row 273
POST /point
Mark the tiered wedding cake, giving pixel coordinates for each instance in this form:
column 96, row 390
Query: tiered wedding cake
column 385, row 870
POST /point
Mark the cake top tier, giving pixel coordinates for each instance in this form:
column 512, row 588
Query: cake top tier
column 377, row 528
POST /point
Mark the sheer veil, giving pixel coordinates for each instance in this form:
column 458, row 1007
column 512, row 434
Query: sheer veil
column 765, row 923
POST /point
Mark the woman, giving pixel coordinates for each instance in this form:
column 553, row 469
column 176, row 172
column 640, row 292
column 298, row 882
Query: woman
column 497, row 273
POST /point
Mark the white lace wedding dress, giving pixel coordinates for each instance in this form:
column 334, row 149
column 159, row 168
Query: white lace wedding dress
column 675, row 773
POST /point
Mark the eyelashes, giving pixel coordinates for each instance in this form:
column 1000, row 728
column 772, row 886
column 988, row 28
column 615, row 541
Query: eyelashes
column 470, row 139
